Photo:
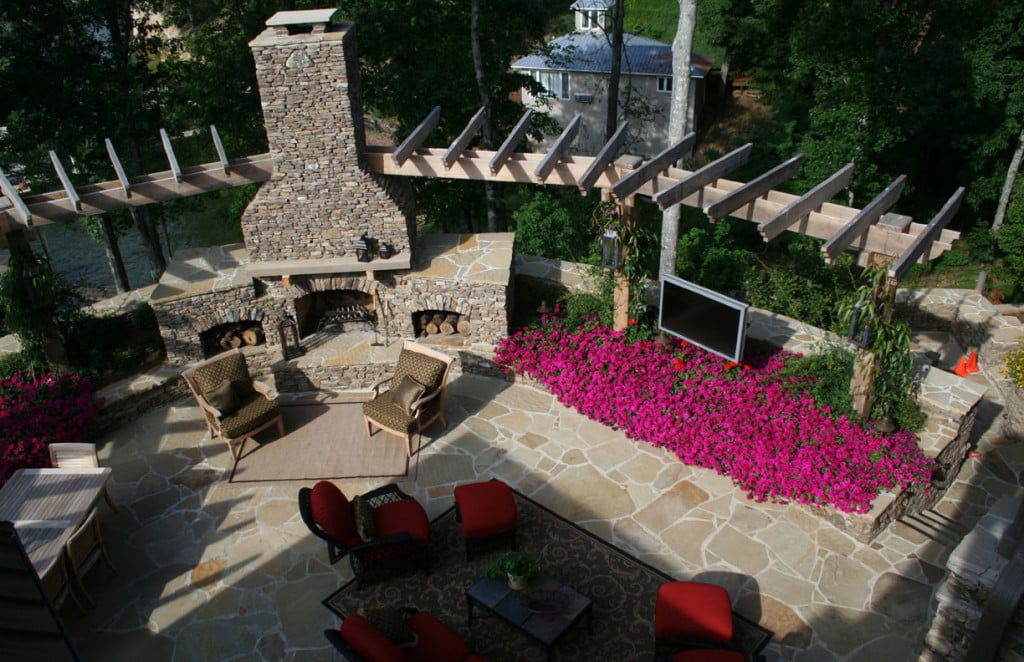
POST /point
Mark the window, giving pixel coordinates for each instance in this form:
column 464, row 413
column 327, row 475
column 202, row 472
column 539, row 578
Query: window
column 590, row 18
column 556, row 83
column 665, row 84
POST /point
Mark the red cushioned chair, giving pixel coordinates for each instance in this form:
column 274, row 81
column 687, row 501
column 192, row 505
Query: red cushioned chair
column 692, row 615
column 400, row 542
column 359, row 641
column 488, row 515
column 709, row 655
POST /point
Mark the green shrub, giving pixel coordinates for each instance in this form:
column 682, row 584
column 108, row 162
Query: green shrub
column 826, row 377
column 18, row 362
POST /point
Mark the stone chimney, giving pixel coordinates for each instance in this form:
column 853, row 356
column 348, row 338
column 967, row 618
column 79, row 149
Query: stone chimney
column 321, row 199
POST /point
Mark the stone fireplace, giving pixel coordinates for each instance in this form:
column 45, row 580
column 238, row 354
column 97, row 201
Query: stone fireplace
column 301, row 231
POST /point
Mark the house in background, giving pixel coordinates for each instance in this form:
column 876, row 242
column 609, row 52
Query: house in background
column 574, row 70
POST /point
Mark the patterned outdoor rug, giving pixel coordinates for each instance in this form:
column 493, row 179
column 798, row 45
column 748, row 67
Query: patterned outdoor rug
column 323, row 440
column 622, row 588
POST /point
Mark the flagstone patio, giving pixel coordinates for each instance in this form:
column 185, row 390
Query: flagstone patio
column 210, row 570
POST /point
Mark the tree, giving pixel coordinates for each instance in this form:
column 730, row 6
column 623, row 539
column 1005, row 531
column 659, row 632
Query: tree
column 612, row 118
column 679, row 122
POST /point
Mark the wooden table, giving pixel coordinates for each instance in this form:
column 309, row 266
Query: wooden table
column 47, row 506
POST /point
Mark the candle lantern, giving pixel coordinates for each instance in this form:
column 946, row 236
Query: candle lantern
column 288, row 329
column 363, row 249
column 611, row 250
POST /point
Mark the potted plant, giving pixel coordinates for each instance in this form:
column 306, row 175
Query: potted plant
column 517, row 566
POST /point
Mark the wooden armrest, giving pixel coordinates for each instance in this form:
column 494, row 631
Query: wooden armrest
column 375, row 387
column 415, row 406
column 262, row 389
column 205, row 404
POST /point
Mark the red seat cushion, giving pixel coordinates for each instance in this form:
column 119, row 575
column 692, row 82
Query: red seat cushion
column 437, row 642
column 693, row 610
column 368, row 642
column 405, row 515
column 709, row 656
column 487, row 509
column 333, row 512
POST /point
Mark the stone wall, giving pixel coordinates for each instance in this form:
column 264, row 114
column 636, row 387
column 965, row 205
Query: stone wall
column 978, row 596
column 182, row 320
column 321, row 198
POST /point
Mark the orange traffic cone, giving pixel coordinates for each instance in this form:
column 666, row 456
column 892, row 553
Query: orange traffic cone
column 961, row 368
column 972, row 363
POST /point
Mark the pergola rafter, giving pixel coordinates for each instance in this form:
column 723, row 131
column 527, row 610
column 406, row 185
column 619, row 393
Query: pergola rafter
column 868, row 230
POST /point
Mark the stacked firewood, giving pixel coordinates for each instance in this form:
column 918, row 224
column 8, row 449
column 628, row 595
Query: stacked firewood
column 444, row 324
column 236, row 335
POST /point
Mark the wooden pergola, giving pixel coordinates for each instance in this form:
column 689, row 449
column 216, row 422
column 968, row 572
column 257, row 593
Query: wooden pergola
column 872, row 229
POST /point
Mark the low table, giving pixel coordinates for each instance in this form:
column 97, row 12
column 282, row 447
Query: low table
column 546, row 610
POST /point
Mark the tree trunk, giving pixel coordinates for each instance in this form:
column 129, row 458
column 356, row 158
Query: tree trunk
column 1011, row 178
column 612, row 119
column 113, row 252
column 678, row 124
column 485, row 101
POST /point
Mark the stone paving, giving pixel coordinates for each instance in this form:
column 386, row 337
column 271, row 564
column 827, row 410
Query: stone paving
column 214, row 571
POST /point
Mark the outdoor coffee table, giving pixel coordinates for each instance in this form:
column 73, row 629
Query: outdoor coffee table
column 546, row 610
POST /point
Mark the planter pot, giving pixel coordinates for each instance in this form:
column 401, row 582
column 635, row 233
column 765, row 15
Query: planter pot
column 516, row 582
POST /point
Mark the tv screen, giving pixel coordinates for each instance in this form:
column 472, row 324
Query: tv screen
column 704, row 317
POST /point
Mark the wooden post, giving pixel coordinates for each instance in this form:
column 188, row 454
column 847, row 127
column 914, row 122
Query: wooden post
column 863, row 383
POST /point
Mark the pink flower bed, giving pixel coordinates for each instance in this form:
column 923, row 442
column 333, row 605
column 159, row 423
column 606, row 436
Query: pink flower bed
column 35, row 412
column 739, row 420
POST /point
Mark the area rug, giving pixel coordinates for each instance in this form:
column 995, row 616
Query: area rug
column 323, row 440
column 622, row 589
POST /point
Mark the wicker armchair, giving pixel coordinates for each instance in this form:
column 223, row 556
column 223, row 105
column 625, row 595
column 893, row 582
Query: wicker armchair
column 415, row 396
column 235, row 406
column 383, row 532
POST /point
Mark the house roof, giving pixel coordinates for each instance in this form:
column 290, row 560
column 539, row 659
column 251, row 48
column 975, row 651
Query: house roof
column 592, row 4
column 592, row 52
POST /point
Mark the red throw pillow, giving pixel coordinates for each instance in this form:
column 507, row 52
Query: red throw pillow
column 333, row 512
column 368, row 642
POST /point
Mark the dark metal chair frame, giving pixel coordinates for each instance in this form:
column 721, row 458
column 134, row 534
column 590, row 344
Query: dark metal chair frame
column 372, row 561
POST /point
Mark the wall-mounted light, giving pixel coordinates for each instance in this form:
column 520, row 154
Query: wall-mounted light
column 860, row 326
column 611, row 250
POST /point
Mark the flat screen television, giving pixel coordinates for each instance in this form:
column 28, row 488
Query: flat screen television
column 706, row 318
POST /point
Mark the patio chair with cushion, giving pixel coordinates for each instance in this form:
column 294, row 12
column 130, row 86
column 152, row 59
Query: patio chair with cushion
column 415, row 395
column 74, row 455
column 692, row 615
column 236, row 407
column 407, row 635
column 383, row 532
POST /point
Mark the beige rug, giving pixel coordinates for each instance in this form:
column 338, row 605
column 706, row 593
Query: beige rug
column 322, row 440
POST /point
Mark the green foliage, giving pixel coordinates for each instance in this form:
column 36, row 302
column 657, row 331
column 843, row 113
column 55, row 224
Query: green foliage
column 826, row 377
column 1013, row 365
column 38, row 304
column 802, row 286
column 1010, row 236
column 19, row 362
column 546, row 227
column 709, row 256
column 515, row 563
column 582, row 306
column 104, row 345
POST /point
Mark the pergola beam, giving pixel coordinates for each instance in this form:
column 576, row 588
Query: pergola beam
column 172, row 160
column 146, row 189
column 462, row 142
column 221, row 154
column 520, row 129
column 807, row 203
column 126, row 186
column 924, row 239
column 632, row 182
column 65, row 181
column 558, row 149
column 864, row 219
column 21, row 210
column 687, row 186
column 754, row 189
column 603, row 159
column 417, row 137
